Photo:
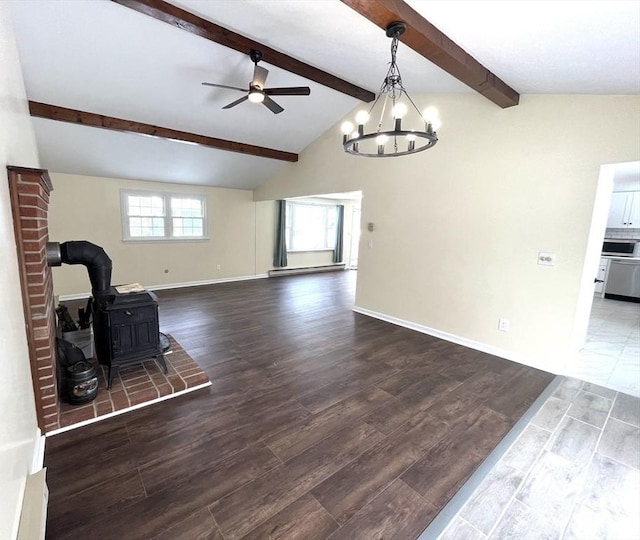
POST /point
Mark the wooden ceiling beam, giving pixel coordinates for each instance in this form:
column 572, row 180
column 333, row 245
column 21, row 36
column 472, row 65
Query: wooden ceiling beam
column 427, row 40
column 189, row 22
column 73, row 116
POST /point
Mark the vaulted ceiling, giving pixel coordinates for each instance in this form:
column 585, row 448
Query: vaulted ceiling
column 105, row 58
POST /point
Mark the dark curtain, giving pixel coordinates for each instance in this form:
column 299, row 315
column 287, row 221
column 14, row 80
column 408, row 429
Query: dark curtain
column 280, row 255
column 337, row 252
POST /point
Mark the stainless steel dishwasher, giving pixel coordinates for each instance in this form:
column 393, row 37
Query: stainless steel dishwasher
column 623, row 280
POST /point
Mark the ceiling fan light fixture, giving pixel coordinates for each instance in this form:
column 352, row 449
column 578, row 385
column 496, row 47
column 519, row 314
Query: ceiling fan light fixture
column 256, row 96
column 392, row 108
column 258, row 93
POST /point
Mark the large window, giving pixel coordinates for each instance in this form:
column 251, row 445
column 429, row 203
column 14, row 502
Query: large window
column 311, row 227
column 162, row 216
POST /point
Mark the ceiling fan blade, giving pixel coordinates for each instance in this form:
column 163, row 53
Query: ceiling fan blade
column 289, row 91
column 272, row 105
column 236, row 102
column 259, row 76
column 224, row 86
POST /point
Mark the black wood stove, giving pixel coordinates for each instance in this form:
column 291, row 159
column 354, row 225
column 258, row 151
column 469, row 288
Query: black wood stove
column 125, row 326
column 126, row 329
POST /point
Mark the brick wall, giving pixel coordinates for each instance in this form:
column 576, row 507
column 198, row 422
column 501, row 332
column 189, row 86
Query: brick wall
column 30, row 189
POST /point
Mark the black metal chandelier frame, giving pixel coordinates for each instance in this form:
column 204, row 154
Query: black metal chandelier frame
column 391, row 90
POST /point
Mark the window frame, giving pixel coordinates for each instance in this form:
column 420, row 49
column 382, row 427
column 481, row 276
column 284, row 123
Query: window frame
column 288, row 230
column 166, row 196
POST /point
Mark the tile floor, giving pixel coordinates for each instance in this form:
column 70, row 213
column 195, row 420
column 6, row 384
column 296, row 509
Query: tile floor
column 573, row 473
column 611, row 355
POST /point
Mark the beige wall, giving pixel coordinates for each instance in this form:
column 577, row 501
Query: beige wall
column 88, row 208
column 458, row 227
column 18, row 425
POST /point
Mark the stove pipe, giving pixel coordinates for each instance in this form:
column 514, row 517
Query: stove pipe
column 82, row 252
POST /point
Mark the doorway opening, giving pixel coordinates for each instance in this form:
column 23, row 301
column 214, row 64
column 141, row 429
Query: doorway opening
column 607, row 329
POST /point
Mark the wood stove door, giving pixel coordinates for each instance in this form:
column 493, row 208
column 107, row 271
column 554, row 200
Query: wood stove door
column 134, row 332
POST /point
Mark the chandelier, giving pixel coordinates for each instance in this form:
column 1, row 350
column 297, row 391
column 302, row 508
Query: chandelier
column 390, row 108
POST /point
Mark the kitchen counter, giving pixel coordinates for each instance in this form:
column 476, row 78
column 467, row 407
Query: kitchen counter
column 618, row 258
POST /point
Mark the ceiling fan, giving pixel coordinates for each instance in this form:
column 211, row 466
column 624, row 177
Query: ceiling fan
column 257, row 93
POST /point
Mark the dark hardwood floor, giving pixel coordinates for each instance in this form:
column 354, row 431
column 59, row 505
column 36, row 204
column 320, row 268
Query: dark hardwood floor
column 320, row 423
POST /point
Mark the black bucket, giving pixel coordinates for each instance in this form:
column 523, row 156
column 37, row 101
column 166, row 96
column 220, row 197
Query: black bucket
column 77, row 377
column 79, row 383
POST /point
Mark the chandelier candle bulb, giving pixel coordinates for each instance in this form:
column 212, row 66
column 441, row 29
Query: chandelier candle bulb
column 346, row 128
column 399, row 110
column 362, row 118
column 412, row 142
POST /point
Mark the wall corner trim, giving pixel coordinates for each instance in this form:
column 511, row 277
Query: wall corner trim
column 37, row 463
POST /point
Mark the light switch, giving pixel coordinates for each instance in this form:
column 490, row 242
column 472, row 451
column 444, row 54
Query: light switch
column 546, row 259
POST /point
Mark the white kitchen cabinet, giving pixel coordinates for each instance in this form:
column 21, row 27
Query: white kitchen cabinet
column 602, row 275
column 624, row 212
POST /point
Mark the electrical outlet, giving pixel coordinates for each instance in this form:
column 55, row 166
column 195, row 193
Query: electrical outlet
column 218, row 267
column 546, row 259
column 503, row 324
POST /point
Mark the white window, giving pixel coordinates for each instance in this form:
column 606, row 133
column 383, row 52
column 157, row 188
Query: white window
column 162, row 216
column 311, row 227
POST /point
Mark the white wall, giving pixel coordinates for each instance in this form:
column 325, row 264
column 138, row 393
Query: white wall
column 18, row 425
column 88, row 208
column 458, row 227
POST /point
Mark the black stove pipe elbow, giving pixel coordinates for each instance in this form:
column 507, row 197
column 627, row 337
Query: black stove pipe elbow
column 93, row 257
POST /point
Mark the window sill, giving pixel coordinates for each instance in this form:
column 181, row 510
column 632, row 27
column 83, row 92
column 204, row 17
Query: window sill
column 164, row 240
column 309, row 250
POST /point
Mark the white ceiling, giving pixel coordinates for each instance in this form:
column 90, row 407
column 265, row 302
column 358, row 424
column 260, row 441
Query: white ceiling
column 98, row 56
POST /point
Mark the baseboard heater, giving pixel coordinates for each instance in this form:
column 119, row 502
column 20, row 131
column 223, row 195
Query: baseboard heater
column 305, row 270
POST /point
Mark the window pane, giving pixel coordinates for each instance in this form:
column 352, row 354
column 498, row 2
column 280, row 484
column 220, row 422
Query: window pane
column 186, row 207
column 146, row 226
column 145, row 206
column 311, row 227
column 187, row 227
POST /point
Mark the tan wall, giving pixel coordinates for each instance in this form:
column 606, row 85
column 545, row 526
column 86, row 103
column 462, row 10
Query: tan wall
column 88, row 208
column 18, row 425
column 458, row 227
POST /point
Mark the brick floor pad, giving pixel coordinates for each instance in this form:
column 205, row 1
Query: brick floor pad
column 136, row 384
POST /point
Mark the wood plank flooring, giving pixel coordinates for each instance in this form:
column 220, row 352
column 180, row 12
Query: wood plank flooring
column 320, row 423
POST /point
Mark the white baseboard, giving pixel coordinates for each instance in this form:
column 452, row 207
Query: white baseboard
column 205, row 282
column 459, row 340
column 81, row 296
